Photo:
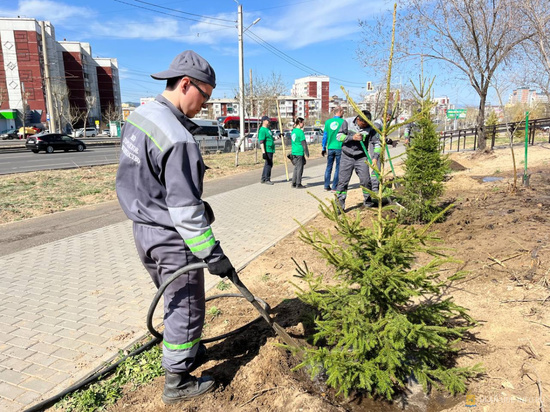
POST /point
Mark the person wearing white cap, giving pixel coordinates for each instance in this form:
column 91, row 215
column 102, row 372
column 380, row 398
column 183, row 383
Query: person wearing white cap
column 159, row 186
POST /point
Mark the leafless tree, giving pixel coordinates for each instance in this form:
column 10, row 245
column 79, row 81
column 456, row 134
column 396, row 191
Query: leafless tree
column 90, row 102
column 475, row 38
column 263, row 95
column 112, row 114
column 3, row 95
column 74, row 115
column 537, row 49
column 60, row 103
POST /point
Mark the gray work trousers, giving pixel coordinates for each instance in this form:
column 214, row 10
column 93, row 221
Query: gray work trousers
column 347, row 165
column 298, row 162
column 163, row 252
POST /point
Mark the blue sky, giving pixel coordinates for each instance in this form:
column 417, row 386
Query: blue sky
column 322, row 35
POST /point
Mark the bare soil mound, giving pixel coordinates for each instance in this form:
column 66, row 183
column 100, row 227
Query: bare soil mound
column 502, row 236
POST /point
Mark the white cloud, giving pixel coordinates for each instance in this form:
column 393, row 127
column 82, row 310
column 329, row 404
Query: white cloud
column 53, row 11
column 166, row 28
column 303, row 24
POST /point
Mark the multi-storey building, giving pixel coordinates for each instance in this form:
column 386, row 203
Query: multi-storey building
column 313, row 86
column 527, row 96
column 43, row 80
column 292, row 107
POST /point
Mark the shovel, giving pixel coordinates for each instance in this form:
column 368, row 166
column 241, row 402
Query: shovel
column 279, row 330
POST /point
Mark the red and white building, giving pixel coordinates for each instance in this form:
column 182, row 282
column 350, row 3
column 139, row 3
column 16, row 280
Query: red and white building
column 51, row 77
column 527, row 96
column 313, row 86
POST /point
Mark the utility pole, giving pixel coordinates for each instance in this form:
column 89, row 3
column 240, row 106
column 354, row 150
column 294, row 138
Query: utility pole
column 52, row 126
column 23, row 100
column 251, row 96
column 241, row 74
column 241, row 70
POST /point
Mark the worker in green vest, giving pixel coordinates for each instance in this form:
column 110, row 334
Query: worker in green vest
column 332, row 140
column 265, row 138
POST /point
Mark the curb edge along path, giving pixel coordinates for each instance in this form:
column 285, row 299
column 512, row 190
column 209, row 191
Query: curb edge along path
column 69, row 305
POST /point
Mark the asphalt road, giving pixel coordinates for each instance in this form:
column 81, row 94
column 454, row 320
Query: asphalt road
column 27, row 161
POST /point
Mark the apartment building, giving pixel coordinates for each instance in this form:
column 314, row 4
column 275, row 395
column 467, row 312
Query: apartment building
column 527, row 96
column 313, row 86
column 45, row 81
column 292, row 107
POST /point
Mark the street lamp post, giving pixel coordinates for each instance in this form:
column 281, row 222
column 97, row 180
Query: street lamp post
column 241, row 73
column 241, row 70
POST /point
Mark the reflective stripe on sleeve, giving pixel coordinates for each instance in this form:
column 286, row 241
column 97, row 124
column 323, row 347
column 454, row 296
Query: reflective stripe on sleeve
column 201, row 242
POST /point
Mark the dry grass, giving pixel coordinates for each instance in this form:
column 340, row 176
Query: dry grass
column 33, row 194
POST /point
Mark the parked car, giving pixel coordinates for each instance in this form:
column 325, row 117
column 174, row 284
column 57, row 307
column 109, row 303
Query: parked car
column 233, row 134
column 106, row 132
column 313, row 137
column 313, row 129
column 8, row 134
column 50, row 142
column 251, row 140
column 27, row 131
column 90, row 131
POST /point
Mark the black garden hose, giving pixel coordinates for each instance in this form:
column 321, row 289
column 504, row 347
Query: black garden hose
column 103, row 371
column 177, row 274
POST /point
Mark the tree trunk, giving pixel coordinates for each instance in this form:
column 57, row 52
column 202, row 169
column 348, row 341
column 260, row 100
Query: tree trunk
column 482, row 138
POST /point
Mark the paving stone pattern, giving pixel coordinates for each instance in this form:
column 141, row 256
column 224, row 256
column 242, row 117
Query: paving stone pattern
column 69, row 305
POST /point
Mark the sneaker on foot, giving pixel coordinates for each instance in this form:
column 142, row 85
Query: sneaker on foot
column 268, row 182
column 300, row 187
column 327, row 189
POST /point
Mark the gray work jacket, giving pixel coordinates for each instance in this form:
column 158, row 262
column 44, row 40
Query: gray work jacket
column 160, row 176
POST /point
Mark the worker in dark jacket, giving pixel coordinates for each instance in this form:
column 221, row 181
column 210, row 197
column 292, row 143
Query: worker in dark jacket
column 360, row 139
column 159, row 186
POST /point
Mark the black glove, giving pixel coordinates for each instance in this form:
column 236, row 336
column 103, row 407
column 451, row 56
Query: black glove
column 264, row 156
column 222, row 267
column 323, row 153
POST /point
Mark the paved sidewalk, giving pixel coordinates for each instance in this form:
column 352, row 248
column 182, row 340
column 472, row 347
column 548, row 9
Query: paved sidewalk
column 69, row 305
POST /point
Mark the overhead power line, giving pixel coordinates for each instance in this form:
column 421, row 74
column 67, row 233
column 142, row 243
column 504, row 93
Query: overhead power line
column 290, row 60
column 173, row 15
column 184, row 12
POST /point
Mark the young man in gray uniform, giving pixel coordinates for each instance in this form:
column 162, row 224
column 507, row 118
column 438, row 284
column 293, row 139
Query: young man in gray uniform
column 360, row 137
column 159, row 186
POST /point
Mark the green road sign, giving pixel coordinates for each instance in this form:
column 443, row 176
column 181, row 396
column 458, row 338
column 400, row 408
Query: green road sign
column 456, row 113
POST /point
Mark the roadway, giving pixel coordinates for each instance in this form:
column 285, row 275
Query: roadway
column 19, row 161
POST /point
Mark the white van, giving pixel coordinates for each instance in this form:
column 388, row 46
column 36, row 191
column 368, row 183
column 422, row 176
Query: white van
column 210, row 138
column 90, row 132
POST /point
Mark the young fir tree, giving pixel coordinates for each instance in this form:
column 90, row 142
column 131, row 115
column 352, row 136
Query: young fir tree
column 425, row 169
column 385, row 319
column 492, row 119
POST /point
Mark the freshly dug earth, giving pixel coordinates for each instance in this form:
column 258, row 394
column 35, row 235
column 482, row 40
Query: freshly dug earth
column 502, row 237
